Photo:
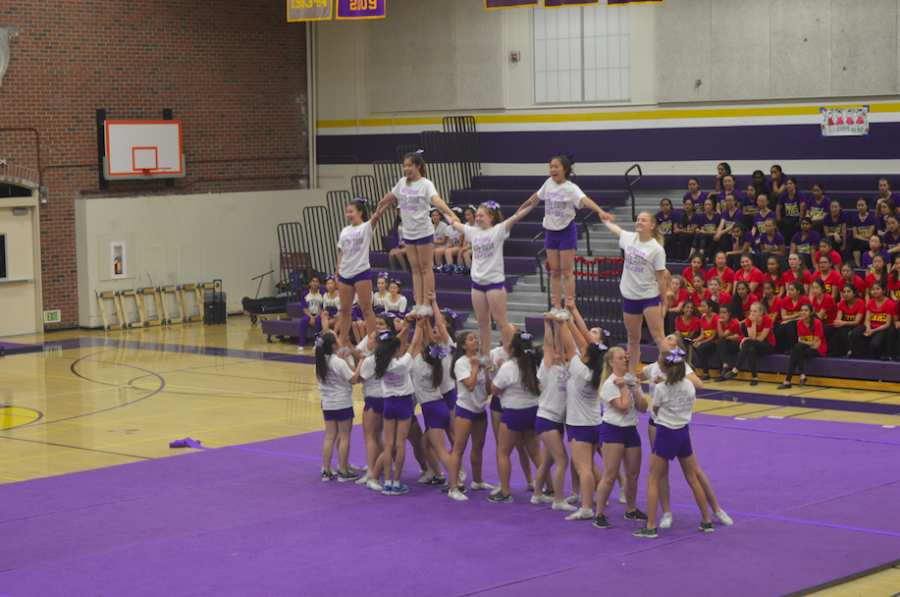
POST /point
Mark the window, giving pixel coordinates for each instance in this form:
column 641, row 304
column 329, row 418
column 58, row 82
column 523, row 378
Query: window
column 582, row 55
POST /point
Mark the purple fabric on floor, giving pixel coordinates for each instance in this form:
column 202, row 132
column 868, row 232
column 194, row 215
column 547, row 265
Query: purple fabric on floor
column 257, row 520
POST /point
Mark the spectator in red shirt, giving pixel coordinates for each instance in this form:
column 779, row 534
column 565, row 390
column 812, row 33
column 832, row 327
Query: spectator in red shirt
column 700, row 290
column 688, row 324
column 748, row 273
column 730, row 335
column 851, row 313
column 786, row 334
column 705, row 344
column 771, row 301
column 723, row 272
column 811, row 343
column 742, row 299
column 829, row 276
column 826, row 247
column 850, row 277
column 759, row 341
column 880, row 312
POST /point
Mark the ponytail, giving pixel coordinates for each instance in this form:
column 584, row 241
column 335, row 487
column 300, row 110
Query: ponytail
column 325, row 343
column 674, row 366
column 607, row 359
column 387, row 347
column 527, row 359
column 434, row 354
column 657, row 233
column 460, row 351
column 595, row 354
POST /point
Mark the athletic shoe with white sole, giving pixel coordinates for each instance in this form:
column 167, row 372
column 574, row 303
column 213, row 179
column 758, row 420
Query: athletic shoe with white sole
column 581, row 514
column 497, row 489
column 425, row 310
column 630, row 380
column 349, row 476
column 374, row 485
column 636, row 516
column 723, row 518
column 484, row 361
column 646, row 533
column 388, row 489
column 480, row 486
column 707, row 527
column 666, row 521
column 456, row 495
column 530, row 486
column 544, row 499
column 436, row 482
column 356, row 469
column 327, row 476
column 564, row 314
column 601, row 523
column 364, row 479
column 573, row 497
column 622, row 499
column 399, row 489
column 462, row 476
column 425, row 478
column 563, row 507
column 500, row 498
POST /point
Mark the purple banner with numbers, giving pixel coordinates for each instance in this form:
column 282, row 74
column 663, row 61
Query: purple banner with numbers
column 559, row 3
column 627, row 2
column 360, row 9
column 492, row 4
column 309, row 10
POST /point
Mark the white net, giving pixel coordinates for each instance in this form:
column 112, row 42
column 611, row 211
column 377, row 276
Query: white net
column 4, row 52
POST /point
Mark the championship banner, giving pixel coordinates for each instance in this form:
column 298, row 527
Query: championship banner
column 494, row 4
column 845, row 122
column 559, row 3
column 627, row 2
column 360, row 9
column 309, row 10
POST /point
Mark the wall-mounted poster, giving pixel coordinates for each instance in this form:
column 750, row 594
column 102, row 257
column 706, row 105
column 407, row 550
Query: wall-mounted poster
column 845, row 122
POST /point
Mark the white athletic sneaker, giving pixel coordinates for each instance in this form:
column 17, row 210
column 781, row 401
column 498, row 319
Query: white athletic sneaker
column 364, row 479
column 484, row 361
column 480, row 486
column 496, row 490
column 723, row 518
column 573, row 497
column 581, row 514
column 564, row 314
column 630, row 380
column 426, row 477
column 374, row 485
column 457, row 495
column 666, row 521
column 343, row 350
column 622, row 499
column 354, row 468
column 530, row 486
column 563, row 507
column 554, row 311
column 425, row 310
column 462, row 476
column 543, row 499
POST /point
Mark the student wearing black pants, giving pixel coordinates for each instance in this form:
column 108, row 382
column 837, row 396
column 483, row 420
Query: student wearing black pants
column 810, row 344
column 878, row 327
column 759, row 341
column 730, row 335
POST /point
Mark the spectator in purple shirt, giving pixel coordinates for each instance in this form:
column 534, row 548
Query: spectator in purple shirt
column 741, row 243
column 731, row 215
column 884, row 192
column 666, row 219
column 764, row 213
column 769, row 243
column 862, row 225
column 885, row 208
column 708, row 223
column 722, row 170
column 776, row 185
column 834, row 226
column 730, row 189
column 694, row 193
column 817, row 207
column 791, row 208
column 806, row 242
column 686, row 229
column 750, row 207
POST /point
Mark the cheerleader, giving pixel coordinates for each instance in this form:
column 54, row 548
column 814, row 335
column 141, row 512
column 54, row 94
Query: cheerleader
column 517, row 385
column 553, row 376
column 673, row 402
column 416, row 195
column 353, row 270
column 878, row 326
column 851, row 313
column 335, row 385
column 810, row 344
column 331, row 306
column 453, row 252
column 441, row 237
column 654, row 374
column 643, row 284
column 395, row 302
column 380, row 296
column 391, row 364
column 471, row 415
column 397, row 254
column 488, row 277
column 465, row 254
column 311, row 303
column 620, row 441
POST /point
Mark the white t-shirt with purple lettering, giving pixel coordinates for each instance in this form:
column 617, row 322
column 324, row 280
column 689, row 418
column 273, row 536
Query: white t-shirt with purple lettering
column 414, row 202
column 642, row 261
column 561, row 202
column 487, row 253
column 675, row 402
column 354, row 245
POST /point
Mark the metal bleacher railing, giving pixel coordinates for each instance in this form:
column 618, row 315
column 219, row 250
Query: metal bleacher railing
column 597, row 295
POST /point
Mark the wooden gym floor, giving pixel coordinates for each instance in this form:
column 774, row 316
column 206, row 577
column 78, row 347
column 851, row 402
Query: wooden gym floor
column 98, row 399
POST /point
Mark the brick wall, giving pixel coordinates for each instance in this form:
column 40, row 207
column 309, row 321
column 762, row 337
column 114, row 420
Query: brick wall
column 234, row 72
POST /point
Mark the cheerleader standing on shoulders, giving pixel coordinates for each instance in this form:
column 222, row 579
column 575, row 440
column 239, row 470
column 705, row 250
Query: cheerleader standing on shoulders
column 643, row 284
column 562, row 198
column 673, row 402
column 335, row 384
column 621, row 442
column 416, row 195
column 488, row 276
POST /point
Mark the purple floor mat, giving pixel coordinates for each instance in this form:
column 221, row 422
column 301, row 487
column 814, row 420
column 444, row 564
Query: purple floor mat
column 812, row 503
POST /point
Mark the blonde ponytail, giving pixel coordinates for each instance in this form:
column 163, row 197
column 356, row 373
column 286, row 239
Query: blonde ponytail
column 657, row 233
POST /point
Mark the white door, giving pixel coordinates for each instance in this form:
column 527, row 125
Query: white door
column 17, row 275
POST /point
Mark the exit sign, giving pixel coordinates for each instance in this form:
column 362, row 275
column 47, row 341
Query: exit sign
column 52, row 316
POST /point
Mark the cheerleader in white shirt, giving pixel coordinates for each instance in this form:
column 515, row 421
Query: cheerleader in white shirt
column 395, row 302
column 335, row 379
column 488, row 277
column 517, row 385
column 353, row 270
column 391, row 364
column 416, row 195
column 643, row 285
column 562, row 198
column 441, row 237
column 620, row 441
column 673, row 401
column 457, row 243
column 380, row 296
column 331, row 305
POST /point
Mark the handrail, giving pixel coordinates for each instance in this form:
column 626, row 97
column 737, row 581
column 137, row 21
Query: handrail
column 630, row 184
column 537, row 257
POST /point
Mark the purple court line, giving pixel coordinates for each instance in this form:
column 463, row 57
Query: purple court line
column 852, row 439
column 820, row 524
